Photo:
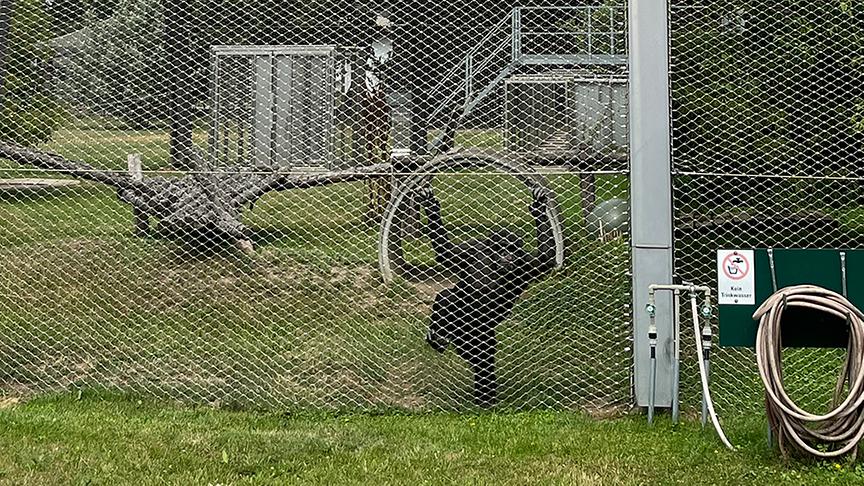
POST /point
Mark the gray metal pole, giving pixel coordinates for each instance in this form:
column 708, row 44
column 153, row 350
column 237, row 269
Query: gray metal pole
column 7, row 8
column 650, row 190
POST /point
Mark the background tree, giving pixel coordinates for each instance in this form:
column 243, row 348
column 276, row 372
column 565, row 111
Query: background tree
column 180, row 69
column 113, row 65
column 30, row 111
column 767, row 87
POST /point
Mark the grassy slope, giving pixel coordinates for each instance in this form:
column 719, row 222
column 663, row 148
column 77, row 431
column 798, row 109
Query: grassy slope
column 284, row 328
column 100, row 440
column 304, row 322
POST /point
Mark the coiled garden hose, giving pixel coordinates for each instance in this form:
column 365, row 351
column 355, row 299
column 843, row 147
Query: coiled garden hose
column 839, row 431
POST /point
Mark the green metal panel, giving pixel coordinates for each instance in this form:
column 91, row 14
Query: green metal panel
column 796, row 267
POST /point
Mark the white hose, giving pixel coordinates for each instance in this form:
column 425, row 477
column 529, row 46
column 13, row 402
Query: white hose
column 828, row 435
column 703, row 373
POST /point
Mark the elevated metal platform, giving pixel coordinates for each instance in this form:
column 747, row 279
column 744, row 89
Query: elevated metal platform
column 565, row 37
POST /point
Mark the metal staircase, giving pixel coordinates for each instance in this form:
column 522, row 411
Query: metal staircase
column 521, row 39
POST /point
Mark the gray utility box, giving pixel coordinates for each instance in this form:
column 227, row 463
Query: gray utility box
column 563, row 111
column 283, row 107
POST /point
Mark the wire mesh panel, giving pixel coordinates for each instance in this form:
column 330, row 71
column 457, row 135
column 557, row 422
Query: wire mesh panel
column 564, row 110
column 596, row 35
column 310, row 205
column 767, row 146
column 286, row 105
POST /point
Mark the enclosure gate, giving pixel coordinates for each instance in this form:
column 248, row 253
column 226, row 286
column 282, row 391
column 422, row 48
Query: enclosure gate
column 274, row 106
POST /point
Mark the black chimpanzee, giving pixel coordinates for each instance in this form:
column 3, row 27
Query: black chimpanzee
column 492, row 274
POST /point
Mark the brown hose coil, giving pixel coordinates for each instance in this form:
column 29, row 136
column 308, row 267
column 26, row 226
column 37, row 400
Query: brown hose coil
column 839, row 431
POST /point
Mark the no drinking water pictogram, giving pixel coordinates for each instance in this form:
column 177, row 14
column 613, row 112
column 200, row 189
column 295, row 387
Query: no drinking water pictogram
column 735, row 282
column 736, row 266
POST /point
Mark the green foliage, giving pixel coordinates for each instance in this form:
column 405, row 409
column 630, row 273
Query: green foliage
column 609, row 17
column 759, row 89
column 767, row 87
column 29, row 112
column 70, row 15
column 115, row 64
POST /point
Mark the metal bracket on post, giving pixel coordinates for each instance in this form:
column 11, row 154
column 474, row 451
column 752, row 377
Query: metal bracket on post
column 843, row 273
column 676, row 354
column 706, row 336
column 770, row 431
column 652, row 341
column 773, row 269
column 702, row 317
column 136, row 173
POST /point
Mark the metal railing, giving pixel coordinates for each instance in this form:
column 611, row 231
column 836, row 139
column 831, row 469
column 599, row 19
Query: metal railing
column 484, row 68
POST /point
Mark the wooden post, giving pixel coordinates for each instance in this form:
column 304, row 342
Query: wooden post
column 142, row 223
column 412, row 223
column 588, row 186
column 133, row 163
column 410, row 219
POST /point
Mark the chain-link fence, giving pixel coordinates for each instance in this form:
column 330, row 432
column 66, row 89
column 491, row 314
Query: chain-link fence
column 238, row 202
column 767, row 149
column 269, row 203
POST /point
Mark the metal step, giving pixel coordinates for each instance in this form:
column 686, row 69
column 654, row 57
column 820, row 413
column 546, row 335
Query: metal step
column 557, row 143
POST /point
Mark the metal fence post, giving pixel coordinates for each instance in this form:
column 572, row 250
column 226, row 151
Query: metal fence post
column 650, row 190
column 516, row 19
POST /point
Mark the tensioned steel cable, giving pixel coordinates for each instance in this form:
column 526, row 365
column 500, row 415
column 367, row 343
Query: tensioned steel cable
column 840, row 430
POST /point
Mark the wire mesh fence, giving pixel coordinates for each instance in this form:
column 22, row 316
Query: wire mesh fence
column 767, row 147
column 240, row 202
column 270, row 204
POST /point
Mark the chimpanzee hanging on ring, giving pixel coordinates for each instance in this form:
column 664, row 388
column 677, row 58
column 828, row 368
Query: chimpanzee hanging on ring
column 492, row 275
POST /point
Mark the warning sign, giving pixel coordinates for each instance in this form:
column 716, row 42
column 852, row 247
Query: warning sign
column 736, row 284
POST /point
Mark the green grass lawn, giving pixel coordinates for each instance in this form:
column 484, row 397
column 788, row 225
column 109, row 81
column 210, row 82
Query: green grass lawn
column 101, row 439
column 305, row 322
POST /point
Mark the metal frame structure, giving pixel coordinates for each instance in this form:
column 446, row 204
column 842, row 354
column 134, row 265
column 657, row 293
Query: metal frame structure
column 591, row 115
column 607, row 33
column 485, row 67
column 281, row 109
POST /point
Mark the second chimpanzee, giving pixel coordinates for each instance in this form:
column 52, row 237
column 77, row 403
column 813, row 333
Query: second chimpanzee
column 492, row 274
